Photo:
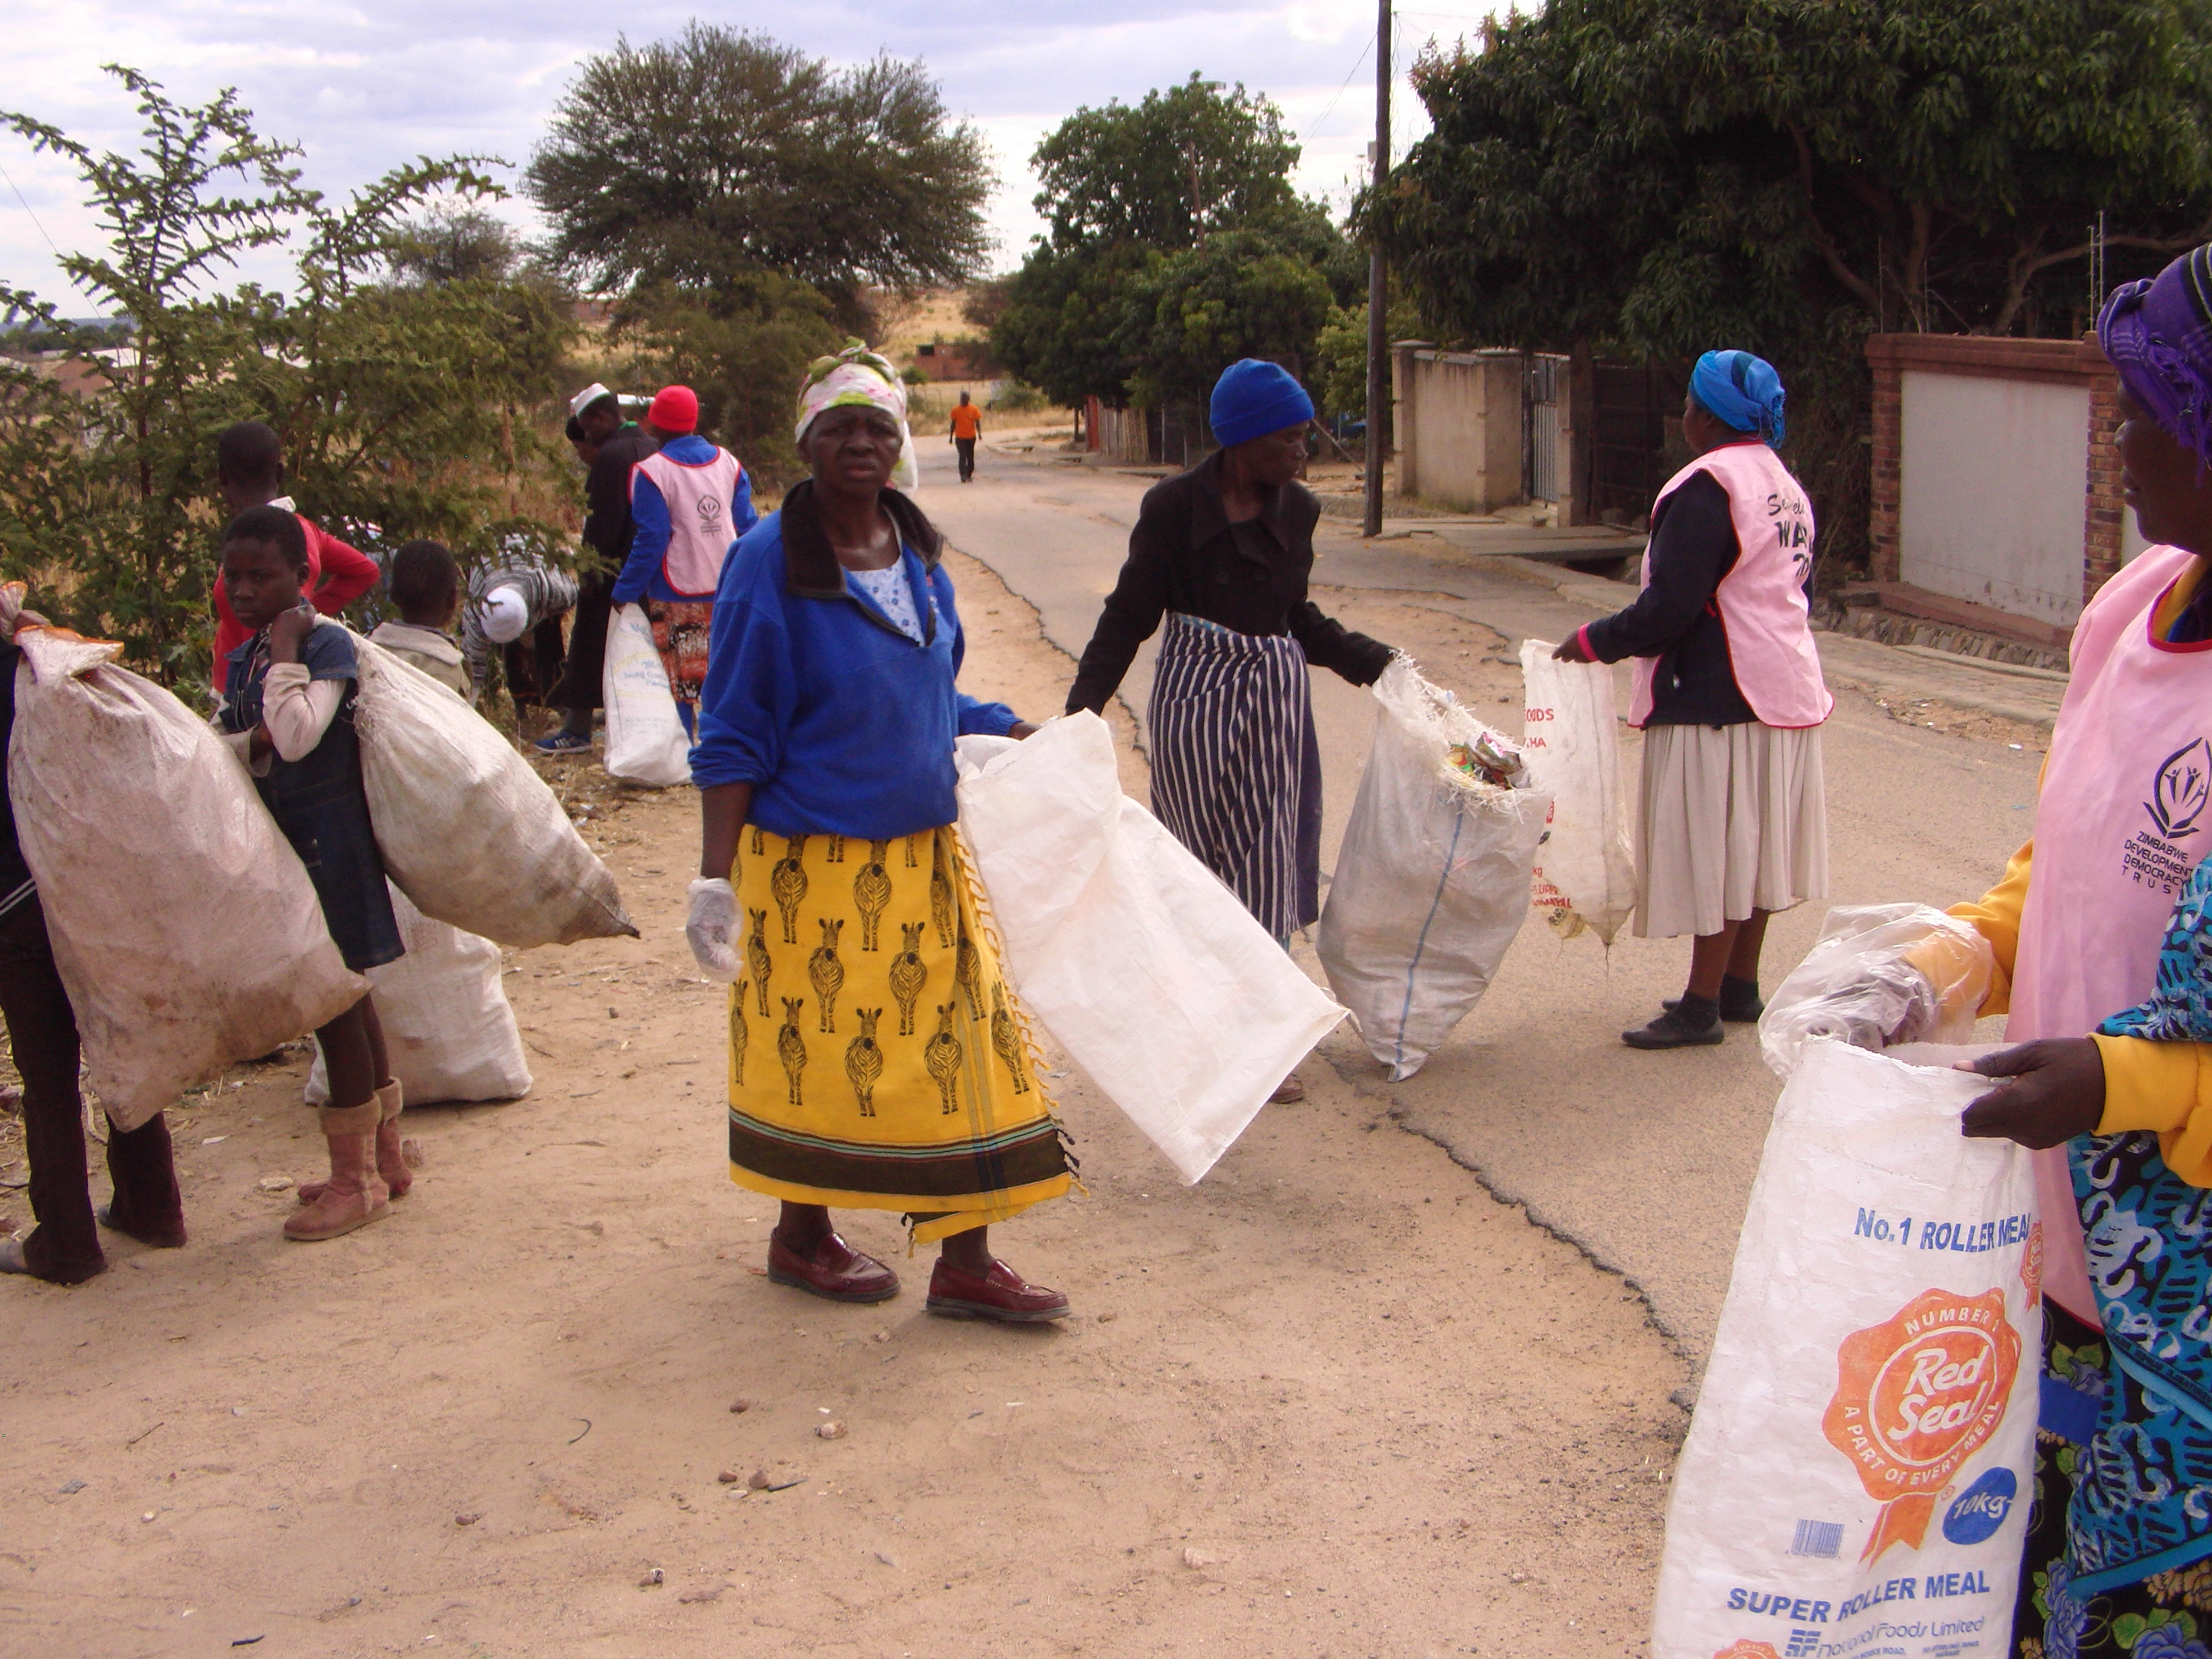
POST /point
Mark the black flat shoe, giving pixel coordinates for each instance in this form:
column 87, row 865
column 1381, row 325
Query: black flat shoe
column 1736, row 1011
column 1673, row 1030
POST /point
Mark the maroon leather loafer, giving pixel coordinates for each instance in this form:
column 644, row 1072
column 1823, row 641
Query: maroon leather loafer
column 1001, row 1294
column 832, row 1269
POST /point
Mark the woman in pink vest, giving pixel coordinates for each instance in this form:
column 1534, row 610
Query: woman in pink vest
column 1734, row 823
column 691, row 500
column 2102, row 931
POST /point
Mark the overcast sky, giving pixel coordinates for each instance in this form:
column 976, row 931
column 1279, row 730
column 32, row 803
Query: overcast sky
column 363, row 88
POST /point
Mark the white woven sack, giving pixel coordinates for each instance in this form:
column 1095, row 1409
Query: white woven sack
column 1428, row 890
column 449, row 1030
column 646, row 743
column 185, row 928
column 1859, row 1473
column 1585, row 876
column 467, row 830
column 1152, row 975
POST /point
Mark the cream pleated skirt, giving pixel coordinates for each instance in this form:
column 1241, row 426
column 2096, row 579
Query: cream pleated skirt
column 1733, row 819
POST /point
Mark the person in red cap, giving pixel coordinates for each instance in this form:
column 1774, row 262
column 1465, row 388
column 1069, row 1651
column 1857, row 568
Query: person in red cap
column 691, row 501
column 249, row 471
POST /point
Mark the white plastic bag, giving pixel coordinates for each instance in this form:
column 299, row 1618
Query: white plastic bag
column 1585, row 873
column 1148, row 971
column 467, row 830
column 1428, row 888
column 1881, row 974
column 646, row 743
column 448, row 1029
column 1861, row 1454
column 186, row 929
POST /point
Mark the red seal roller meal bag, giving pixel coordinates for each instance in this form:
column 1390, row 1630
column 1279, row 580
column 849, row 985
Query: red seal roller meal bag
column 1859, row 1472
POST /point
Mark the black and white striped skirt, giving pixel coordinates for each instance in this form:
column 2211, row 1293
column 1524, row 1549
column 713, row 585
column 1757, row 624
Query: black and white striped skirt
column 1235, row 770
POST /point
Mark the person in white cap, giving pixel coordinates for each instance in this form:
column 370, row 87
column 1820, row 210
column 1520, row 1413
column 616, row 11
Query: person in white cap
column 518, row 606
column 608, row 531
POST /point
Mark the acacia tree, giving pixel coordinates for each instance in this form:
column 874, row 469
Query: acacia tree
column 403, row 409
column 1663, row 176
column 722, row 153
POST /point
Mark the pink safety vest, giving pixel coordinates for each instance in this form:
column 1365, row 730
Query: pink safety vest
column 698, row 496
column 2129, row 781
column 1761, row 600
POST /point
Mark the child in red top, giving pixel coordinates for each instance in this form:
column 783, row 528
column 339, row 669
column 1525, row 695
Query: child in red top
column 249, row 471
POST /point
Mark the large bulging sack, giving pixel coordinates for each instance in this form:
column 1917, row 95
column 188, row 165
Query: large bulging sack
column 1149, row 972
column 646, row 743
column 1585, row 875
column 467, row 830
column 1431, row 881
column 184, row 926
column 449, row 1030
column 1861, row 1454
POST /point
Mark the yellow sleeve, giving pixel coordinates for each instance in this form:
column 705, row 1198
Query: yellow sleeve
column 1995, row 916
column 2166, row 1087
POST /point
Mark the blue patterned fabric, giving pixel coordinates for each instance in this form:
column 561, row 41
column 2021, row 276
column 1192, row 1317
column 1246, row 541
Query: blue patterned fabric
column 2143, row 1503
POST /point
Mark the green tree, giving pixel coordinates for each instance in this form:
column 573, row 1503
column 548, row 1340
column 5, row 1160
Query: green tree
column 743, row 347
column 699, row 160
column 455, row 243
column 1665, row 176
column 1176, row 246
column 1239, row 296
column 404, row 409
column 1063, row 325
column 1168, row 171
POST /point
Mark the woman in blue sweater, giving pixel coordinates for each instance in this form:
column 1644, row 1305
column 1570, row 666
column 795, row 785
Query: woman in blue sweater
column 877, row 1059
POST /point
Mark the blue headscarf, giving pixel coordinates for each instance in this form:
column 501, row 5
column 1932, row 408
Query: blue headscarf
column 1741, row 392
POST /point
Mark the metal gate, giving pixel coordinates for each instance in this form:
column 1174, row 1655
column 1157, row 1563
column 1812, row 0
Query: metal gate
column 1544, row 390
column 1631, row 404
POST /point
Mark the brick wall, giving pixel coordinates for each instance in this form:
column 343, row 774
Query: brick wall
column 2103, row 524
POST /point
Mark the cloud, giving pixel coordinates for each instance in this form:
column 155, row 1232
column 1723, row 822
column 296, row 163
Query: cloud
column 364, row 89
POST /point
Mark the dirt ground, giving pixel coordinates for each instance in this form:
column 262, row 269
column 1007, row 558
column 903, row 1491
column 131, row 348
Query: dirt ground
column 1333, row 1401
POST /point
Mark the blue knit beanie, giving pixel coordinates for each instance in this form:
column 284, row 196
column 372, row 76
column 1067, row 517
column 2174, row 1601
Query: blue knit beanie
column 1253, row 399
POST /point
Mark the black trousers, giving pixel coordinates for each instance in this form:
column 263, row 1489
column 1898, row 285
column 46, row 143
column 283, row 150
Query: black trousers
column 967, row 448
column 535, row 666
column 582, row 681
column 65, row 1246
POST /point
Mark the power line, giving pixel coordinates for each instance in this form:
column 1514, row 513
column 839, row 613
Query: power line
column 28, row 208
column 1308, row 134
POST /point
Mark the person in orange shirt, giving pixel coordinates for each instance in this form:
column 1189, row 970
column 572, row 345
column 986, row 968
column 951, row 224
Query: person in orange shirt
column 966, row 426
column 249, row 471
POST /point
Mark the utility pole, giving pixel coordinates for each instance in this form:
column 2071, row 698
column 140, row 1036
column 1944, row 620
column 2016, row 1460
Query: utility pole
column 1378, row 286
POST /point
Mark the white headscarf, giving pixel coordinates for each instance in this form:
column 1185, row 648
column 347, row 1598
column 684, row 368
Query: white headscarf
column 858, row 376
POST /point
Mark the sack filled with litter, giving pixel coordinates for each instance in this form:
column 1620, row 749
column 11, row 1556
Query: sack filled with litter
column 1585, row 874
column 184, row 926
column 467, row 830
column 448, row 1030
column 1432, row 882
column 646, row 743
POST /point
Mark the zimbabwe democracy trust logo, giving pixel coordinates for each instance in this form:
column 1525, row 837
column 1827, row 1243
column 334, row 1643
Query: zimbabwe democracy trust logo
column 1915, row 1397
column 2182, row 790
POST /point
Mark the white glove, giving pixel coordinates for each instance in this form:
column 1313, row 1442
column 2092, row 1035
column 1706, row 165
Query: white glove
column 711, row 927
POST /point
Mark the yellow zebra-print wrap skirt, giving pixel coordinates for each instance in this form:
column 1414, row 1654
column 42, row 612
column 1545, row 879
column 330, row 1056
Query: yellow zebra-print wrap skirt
column 878, row 1059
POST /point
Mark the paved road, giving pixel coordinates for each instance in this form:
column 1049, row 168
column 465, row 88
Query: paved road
column 1643, row 1160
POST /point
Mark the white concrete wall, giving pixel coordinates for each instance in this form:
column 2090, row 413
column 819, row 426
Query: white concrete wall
column 1459, row 427
column 1993, row 478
